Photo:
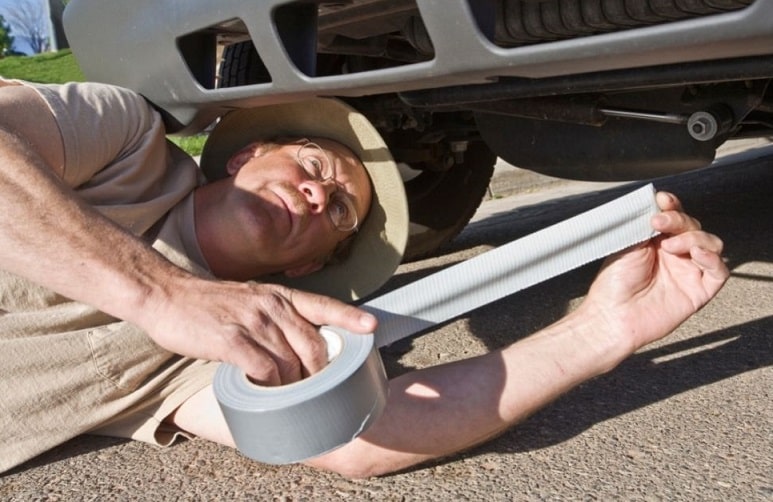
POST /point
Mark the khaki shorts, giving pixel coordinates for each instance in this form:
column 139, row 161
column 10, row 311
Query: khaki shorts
column 59, row 380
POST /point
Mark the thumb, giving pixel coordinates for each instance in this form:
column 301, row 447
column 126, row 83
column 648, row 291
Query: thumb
column 322, row 310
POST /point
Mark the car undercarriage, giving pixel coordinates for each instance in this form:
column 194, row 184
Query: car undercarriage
column 582, row 89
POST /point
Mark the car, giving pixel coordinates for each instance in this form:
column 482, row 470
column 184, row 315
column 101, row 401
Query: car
column 580, row 89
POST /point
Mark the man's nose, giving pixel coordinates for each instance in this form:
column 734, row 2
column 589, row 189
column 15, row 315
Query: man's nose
column 317, row 194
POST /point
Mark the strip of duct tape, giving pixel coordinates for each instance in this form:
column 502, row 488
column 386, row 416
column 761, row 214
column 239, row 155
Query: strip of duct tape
column 517, row 265
column 295, row 422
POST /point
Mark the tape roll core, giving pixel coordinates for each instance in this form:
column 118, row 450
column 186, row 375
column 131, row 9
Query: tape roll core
column 334, row 342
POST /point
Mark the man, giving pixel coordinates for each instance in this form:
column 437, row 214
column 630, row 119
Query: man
column 88, row 181
column 306, row 194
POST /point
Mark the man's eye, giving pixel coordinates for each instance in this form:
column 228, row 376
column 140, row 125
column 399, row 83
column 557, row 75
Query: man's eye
column 338, row 210
column 313, row 166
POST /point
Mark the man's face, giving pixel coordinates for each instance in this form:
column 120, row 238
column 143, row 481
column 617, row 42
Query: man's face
column 283, row 219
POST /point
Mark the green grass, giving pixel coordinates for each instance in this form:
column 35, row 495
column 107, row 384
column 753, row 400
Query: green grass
column 60, row 67
column 47, row 68
column 190, row 144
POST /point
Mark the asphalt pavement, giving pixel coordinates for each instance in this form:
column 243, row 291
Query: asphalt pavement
column 689, row 418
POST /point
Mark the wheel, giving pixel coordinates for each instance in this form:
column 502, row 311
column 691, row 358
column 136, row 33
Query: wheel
column 442, row 203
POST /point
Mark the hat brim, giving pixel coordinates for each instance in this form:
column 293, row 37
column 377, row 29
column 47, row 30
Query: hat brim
column 379, row 244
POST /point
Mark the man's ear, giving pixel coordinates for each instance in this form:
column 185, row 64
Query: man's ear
column 301, row 270
column 241, row 157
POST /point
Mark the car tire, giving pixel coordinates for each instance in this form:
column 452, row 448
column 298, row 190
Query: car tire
column 442, row 203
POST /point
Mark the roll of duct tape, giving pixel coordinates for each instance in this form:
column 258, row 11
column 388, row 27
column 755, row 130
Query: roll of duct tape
column 294, row 422
column 305, row 419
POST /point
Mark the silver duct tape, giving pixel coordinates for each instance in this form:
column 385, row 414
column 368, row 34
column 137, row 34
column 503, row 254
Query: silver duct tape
column 290, row 423
column 295, row 422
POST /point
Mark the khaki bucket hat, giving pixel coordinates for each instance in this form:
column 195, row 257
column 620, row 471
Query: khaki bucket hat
column 379, row 244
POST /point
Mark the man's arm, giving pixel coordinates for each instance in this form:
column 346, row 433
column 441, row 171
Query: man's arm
column 639, row 296
column 53, row 238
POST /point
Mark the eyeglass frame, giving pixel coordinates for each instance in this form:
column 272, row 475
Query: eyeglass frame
column 339, row 193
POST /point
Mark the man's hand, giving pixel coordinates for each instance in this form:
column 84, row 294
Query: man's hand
column 646, row 292
column 268, row 331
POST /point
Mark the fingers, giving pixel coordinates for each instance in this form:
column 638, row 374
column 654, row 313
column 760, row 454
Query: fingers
column 683, row 236
column 256, row 362
column 674, row 222
column 682, row 243
column 322, row 310
column 683, row 232
column 705, row 251
column 714, row 270
column 667, row 201
column 283, row 338
column 291, row 341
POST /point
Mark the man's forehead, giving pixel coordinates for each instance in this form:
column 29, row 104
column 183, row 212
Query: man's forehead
column 336, row 146
column 341, row 155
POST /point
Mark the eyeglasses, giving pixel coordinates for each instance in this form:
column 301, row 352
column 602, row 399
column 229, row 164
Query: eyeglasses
column 340, row 207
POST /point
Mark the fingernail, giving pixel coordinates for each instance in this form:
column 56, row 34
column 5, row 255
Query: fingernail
column 367, row 320
column 659, row 219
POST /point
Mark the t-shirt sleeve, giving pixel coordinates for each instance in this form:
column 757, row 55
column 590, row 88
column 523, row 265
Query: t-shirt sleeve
column 116, row 154
column 100, row 124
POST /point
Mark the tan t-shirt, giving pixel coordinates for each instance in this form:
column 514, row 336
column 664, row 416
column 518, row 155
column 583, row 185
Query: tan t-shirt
column 66, row 368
